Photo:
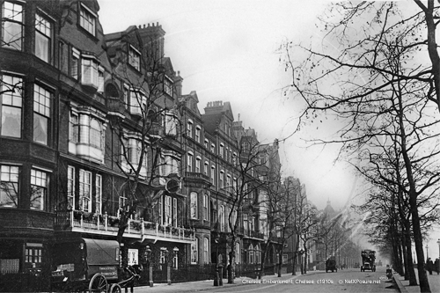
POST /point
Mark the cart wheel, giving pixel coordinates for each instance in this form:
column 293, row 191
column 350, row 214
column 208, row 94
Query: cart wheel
column 98, row 283
column 115, row 288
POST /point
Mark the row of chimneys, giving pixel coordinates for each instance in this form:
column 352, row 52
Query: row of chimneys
column 152, row 24
column 215, row 104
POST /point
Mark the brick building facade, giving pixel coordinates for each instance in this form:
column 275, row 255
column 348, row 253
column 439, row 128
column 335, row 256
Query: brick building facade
column 95, row 127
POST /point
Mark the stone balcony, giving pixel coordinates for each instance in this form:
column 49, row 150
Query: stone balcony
column 77, row 221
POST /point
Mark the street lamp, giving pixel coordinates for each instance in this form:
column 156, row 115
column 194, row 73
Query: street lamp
column 427, row 254
column 176, row 257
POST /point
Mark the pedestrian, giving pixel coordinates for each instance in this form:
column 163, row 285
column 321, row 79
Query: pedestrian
column 429, row 265
column 437, row 265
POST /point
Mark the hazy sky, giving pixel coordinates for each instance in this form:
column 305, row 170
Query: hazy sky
column 228, row 50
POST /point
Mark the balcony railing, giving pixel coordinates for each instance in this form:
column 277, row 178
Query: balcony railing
column 197, row 175
column 77, row 221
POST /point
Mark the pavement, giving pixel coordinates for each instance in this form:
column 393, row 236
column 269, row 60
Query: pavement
column 403, row 285
column 208, row 285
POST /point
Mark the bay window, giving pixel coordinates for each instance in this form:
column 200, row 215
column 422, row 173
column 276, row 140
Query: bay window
column 87, row 134
column 12, row 25
column 9, row 184
column 11, row 103
column 89, row 70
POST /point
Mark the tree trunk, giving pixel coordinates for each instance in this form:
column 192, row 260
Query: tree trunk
column 231, row 266
column 410, row 267
column 280, row 264
column 418, row 239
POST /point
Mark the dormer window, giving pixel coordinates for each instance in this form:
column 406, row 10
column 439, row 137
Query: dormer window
column 168, row 87
column 87, row 20
column 134, row 58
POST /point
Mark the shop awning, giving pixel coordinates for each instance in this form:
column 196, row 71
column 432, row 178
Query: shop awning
column 102, row 252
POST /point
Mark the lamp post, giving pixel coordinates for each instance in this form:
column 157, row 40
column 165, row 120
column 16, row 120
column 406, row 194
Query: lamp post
column 150, row 265
column 427, row 254
column 301, row 251
column 438, row 242
column 217, row 275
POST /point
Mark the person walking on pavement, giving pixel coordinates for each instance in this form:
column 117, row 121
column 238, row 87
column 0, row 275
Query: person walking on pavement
column 437, row 265
column 429, row 265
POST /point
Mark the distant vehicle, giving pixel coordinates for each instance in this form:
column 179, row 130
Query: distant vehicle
column 330, row 265
column 368, row 260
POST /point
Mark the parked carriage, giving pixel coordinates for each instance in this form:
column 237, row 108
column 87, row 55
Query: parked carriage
column 90, row 265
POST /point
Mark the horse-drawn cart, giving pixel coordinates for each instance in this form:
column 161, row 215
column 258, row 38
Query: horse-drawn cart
column 90, row 265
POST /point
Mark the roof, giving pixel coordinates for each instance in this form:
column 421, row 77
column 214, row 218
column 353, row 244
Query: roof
column 101, row 252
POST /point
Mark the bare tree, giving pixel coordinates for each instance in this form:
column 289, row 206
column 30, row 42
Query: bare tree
column 254, row 179
column 378, row 60
column 142, row 126
column 281, row 210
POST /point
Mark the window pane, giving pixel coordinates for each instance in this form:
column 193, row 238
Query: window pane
column 9, row 186
column 13, row 11
column 42, row 46
column 40, row 129
column 87, row 21
column 39, row 184
column 70, row 188
column 95, row 134
column 12, row 26
column 42, row 38
column 11, row 121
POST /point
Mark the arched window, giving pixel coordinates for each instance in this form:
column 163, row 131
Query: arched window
column 251, row 254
